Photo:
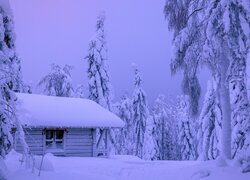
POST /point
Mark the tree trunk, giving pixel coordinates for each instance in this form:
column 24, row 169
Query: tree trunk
column 226, row 112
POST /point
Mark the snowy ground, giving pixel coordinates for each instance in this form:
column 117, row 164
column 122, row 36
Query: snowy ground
column 120, row 168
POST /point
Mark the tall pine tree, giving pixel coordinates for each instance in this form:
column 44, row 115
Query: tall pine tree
column 159, row 127
column 99, row 84
column 186, row 126
column 11, row 80
column 217, row 34
column 227, row 26
column 165, row 129
column 149, row 147
column 16, row 83
column 186, row 48
column 140, row 113
column 99, row 81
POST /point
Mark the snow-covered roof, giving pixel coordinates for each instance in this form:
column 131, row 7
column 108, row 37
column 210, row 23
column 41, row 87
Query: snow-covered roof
column 49, row 111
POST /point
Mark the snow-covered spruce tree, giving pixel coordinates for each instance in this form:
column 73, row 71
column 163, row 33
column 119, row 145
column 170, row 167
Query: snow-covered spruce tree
column 177, row 13
column 6, row 102
column 165, row 129
column 187, row 57
column 16, row 83
column 99, row 81
column 172, row 145
column 100, row 89
column 10, row 81
column 79, row 91
column 159, row 127
column 6, row 94
column 58, row 82
column 227, row 43
column 223, row 49
column 149, row 147
column 186, row 127
column 210, row 124
column 140, row 113
column 160, row 133
column 125, row 137
column 248, row 78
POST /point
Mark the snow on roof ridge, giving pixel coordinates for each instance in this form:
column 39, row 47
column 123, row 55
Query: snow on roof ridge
column 50, row 111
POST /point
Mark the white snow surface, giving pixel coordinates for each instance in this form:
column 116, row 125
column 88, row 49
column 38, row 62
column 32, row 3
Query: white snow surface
column 122, row 168
column 50, row 111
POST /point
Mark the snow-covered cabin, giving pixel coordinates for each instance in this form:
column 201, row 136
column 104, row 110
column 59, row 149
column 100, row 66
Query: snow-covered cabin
column 64, row 126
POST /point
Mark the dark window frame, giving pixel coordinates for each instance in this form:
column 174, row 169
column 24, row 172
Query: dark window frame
column 53, row 142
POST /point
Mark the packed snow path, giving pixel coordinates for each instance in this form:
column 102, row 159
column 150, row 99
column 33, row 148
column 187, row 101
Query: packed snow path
column 120, row 168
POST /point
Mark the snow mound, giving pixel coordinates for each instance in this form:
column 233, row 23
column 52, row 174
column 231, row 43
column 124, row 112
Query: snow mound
column 221, row 162
column 14, row 153
column 126, row 158
column 47, row 164
column 3, row 169
column 200, row 174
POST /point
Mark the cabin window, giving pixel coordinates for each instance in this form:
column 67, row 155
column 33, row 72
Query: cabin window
column 54, row 139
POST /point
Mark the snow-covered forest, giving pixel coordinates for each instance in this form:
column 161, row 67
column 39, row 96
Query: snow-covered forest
column 200, row 130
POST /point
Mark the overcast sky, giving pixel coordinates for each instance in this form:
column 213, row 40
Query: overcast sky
column 58, row 31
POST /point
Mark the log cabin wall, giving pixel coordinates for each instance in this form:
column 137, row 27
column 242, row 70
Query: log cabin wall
column 78, row 142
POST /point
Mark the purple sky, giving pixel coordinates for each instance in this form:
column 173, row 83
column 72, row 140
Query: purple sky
column 58, row 31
